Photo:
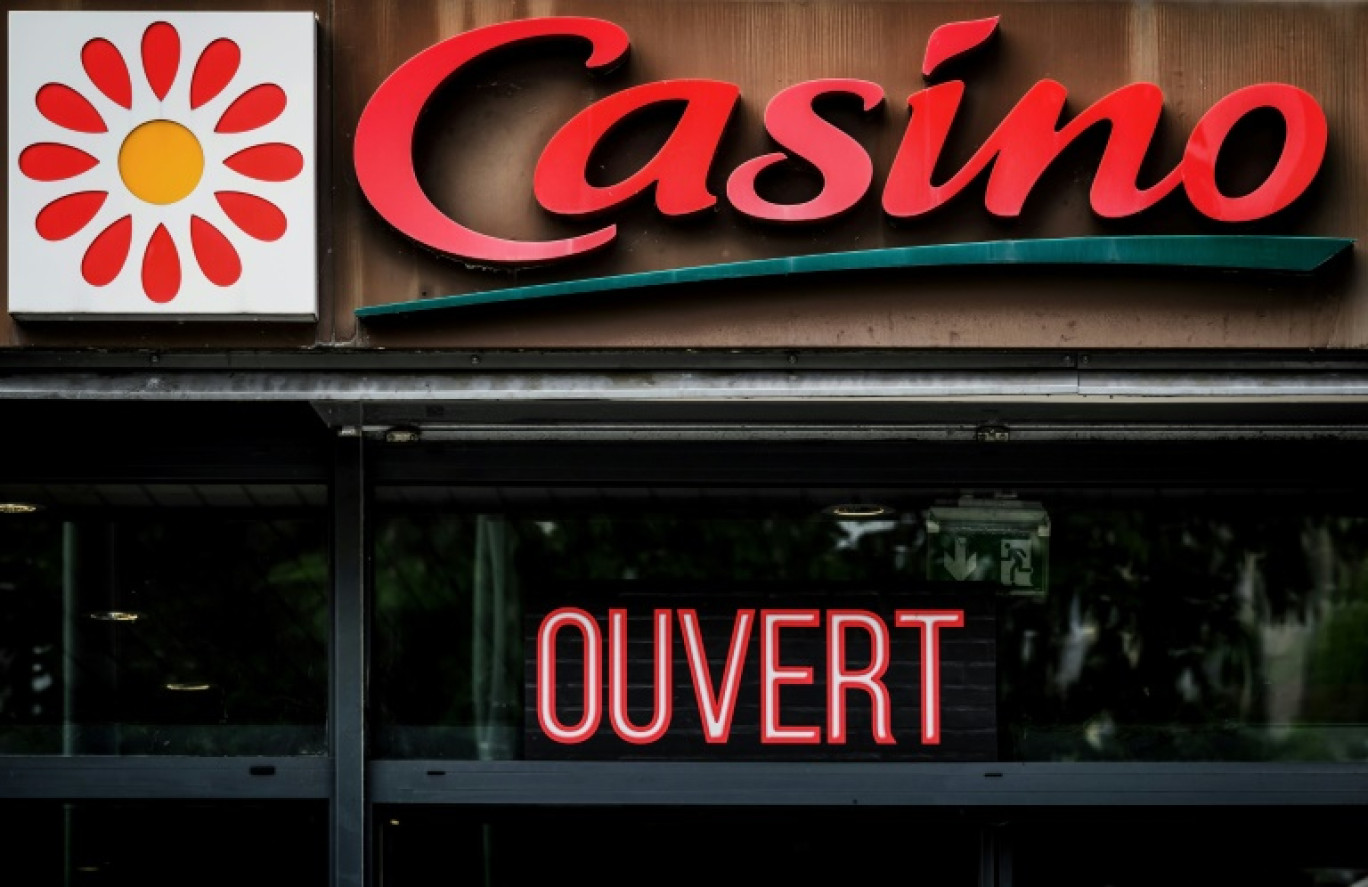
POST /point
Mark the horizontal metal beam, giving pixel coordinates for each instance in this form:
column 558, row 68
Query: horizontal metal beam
column 762, row 386
column 529, row 360
column 741, row 432
column 163, row 777
column 907, row 784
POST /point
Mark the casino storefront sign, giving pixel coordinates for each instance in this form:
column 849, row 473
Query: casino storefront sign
column 698, row 442
column 1028, row 139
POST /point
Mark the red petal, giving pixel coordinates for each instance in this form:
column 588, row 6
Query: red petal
column 216, row 256
column 65, row 216
column 950, row 40
column 257, row 217
column 106, row 69
column 51, row 162
column 253, row 109
column 161, row 273
column 105, row 256
column 269, row 163
column 69, row 109
column 160, row 57
column 214, row 70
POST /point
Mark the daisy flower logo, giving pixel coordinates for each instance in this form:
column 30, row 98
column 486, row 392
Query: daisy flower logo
column 162, row 165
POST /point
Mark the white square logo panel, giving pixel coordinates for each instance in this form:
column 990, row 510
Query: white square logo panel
column 162, row 165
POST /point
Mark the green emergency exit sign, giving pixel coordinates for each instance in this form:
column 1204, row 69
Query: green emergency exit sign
column 1000, row 542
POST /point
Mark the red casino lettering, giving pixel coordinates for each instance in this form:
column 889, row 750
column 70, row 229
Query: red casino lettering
column 679, row 170
column 1302, row 153
column 1023, row 146
column 844, row 165
column 1014, row 157
column 383, row 149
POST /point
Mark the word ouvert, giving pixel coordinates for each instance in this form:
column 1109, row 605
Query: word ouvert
column 716, row 694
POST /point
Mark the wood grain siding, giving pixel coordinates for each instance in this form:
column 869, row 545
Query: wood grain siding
column 481, row 137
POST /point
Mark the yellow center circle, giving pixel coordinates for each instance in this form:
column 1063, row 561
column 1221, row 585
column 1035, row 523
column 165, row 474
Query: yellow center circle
column 161, row 162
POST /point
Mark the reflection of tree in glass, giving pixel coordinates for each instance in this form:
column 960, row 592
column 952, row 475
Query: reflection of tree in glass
column 235, row 604
column 238, row 604
column 449, row 590
column 763, row 548
column 424, row 588
column 30, row 634
column 1178, row 634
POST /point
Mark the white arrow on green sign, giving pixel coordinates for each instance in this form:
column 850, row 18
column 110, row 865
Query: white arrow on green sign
column 1002, row 542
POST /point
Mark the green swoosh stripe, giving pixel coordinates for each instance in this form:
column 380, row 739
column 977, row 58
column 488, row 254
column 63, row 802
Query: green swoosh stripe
column 1299, row 255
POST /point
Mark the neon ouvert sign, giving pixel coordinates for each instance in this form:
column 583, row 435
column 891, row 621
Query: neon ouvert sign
column 1014, row 157
column 717, row 694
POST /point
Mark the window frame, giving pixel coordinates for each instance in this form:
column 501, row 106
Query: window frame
column 821, row 402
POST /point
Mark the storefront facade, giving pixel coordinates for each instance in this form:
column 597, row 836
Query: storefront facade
column 747, row 439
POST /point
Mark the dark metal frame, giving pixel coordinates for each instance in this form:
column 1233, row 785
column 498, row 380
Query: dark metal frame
column 81, row 778
column 349, row 814
column 989, row 786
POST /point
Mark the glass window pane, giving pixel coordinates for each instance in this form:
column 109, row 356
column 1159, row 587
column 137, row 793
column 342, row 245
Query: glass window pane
column 1179, row 848
column 456, row 595
column 1131, row 625
column 166, row 844
column 1203, row 630
column 164, row 620
column 714, row 846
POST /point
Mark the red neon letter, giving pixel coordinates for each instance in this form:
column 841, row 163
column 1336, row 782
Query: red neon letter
column 679, row 169
column 930, row 622
column 546, row 675
column 867, row 679
column 844, row 165
column 1302, row 152
column 1024, row 145
column 383, row 151
column 617, row 679
column 716, row 713
column 772, row 675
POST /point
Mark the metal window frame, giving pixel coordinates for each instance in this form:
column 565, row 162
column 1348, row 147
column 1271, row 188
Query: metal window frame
column 349, row 814
column 983, row 786
column 540, row 399
column 90, row 777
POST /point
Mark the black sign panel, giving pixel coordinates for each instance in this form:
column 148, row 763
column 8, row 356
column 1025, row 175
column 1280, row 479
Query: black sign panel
column 761, row 674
